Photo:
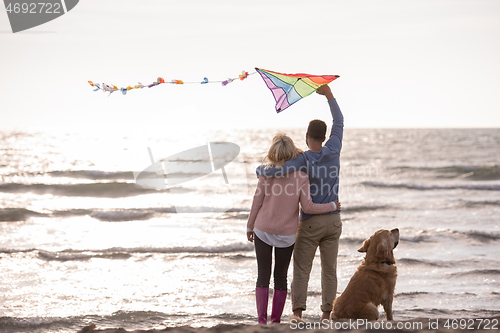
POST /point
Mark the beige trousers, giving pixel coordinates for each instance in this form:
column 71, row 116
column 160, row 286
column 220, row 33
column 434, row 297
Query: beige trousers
column 323, row 231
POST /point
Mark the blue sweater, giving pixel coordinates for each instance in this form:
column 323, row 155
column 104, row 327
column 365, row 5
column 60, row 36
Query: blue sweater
column 323, row 167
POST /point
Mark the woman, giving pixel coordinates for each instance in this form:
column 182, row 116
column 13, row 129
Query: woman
column 273, row 222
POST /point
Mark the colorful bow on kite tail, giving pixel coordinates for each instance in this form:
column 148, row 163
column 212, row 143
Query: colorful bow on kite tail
column 112, row 88
column 290, row 88
column 287, row 89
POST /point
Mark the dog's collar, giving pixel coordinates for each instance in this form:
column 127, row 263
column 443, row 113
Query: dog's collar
column 387, row 262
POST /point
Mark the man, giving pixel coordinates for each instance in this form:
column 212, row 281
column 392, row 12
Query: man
column 322, row 164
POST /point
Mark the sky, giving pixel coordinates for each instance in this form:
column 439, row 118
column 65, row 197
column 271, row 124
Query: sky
column 402, row 64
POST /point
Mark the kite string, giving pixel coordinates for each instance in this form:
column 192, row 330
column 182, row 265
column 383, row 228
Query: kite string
column 220, row 81
column 112, row 88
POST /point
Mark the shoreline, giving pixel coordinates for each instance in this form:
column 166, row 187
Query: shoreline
column 415, row 325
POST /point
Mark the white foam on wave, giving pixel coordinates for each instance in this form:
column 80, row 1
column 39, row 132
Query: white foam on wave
column 479, row 187
column 126, row 253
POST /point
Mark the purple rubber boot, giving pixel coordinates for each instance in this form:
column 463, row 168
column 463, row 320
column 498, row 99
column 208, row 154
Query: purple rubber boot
column 262, row 297
column 279, row 300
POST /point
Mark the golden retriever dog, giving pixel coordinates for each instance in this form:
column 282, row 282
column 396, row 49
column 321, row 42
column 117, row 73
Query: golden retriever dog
column 374, row 281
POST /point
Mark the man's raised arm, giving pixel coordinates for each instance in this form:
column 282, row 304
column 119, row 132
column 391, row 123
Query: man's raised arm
column 336, row 135
column 299, row 163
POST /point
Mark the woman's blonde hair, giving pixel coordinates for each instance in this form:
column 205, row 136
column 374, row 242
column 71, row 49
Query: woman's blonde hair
column 282, row 149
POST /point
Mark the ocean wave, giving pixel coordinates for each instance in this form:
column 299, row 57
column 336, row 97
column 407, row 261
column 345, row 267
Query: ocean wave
column 480, row 235
column 229, row 316
column 239, row 257
column 103, row 175
column 242, row 214
column 82, row 256
column 477, row 272
column 115, row 215
column 474, row 172
column 352, row 240
column 415, row 239
column 440, row 263
column 423, row 262
column 363, row 208
column 126, row 253
column 433, row 235
column 123, row 215
column 23, row 214
column 134, row 316
column 479, row 203
column 466, row 172
column 119, row 175
column 148, row 321
column 435, row 313
column 411, row 294
column 359, row 240
column 100, row 190
column 14, row 324
column 69, row 213
column 144, row 321
column 14, row 251
column 236, row 247
column 483, row 187
column 133, row 319
column 93, row 174
column 17, row 214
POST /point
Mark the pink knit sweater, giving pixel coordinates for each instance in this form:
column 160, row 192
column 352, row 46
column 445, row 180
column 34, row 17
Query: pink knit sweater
column 275, row 206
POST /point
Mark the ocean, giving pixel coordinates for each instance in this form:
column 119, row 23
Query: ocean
column 82, row 243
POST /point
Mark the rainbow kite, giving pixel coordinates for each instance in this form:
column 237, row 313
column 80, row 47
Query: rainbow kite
column 286, row 88
column 290, row 88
